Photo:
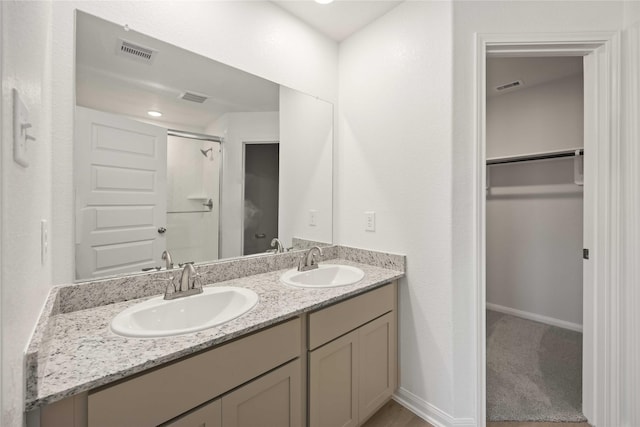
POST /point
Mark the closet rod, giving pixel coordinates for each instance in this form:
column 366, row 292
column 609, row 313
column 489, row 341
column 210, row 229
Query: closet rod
column 536, row 156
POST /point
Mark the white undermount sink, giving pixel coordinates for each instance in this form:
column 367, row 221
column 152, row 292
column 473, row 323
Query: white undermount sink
column 325, row 276
column 158, row 317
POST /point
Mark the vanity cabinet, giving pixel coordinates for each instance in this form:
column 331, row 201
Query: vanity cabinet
column 242, row 372
column 273, row 399
column 352, row 374
column 332, row 367
column 209, row 415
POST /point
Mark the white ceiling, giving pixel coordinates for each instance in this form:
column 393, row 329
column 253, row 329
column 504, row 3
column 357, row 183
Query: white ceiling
column 111, row 82
column 532, row 71
column 340, row 19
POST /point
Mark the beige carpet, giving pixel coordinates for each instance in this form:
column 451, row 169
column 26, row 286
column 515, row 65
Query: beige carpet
column 534, row 371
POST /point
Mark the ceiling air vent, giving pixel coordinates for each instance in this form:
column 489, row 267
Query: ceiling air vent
column 194, row 97
column 135, row 51
column 511, row 85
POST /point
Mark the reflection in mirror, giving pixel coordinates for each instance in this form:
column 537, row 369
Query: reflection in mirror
column 233, row 161
column 193, row 197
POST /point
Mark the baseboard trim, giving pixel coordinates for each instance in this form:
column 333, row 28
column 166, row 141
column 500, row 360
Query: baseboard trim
column 428, row 412
column 535, row 317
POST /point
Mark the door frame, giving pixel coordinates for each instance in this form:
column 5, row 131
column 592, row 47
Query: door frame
column 601, row 295
column 244, row 154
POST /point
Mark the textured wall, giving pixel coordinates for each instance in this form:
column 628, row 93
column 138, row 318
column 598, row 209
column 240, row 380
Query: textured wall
column 26, row 192
column 394, row 158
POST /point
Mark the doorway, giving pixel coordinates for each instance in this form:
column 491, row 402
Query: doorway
column 534, row 238
column 261, row 198
column 602, row 235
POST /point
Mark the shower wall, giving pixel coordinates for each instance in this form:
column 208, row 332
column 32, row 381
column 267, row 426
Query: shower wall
column 192, row 180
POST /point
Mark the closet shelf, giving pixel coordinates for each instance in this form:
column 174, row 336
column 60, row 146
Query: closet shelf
column 535, row 156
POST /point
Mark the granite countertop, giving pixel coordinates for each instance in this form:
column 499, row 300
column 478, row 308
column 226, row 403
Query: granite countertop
column 82, row 353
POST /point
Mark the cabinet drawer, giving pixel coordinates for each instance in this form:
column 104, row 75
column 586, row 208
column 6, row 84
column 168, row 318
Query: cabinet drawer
column 158, row 396
column 336, row 320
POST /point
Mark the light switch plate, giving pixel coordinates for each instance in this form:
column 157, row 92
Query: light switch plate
column 20, row 118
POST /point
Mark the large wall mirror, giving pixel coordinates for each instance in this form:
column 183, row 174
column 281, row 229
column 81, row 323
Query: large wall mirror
column 232, row 162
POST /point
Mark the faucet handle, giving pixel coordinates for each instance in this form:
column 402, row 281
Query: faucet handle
column 197, row 283
column 302, row 262
column 170, row 285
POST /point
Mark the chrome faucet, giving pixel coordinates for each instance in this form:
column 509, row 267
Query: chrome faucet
column 276, row 243
column 307, row 260
column 166, row 256
column 189, row 284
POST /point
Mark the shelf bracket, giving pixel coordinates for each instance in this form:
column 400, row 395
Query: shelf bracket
column 578, row 169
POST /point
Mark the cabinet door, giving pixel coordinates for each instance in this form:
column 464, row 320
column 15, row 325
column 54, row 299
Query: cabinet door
column 377, row 365
column 210, row 415
column 271, row 400
column 333, row 383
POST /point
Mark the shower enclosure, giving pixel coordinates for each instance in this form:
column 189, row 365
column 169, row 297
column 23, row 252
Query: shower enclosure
column 193, row 196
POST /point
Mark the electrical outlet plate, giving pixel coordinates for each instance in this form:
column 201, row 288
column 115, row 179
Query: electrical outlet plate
column 313, row 216
column 370, row 221
column 20, row 118
column 44, row 240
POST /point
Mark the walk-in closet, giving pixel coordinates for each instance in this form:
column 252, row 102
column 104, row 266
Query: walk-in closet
column 534, row 238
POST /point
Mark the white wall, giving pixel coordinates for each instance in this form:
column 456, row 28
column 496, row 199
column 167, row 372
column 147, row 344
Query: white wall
column 631, row 12
column 394, row 158
column 26, row 192
column 534, row 241
column 237, row 128
column 306, row 167
column 491, row 17
column 535, row 119
column 534, row 211
column 257, row 37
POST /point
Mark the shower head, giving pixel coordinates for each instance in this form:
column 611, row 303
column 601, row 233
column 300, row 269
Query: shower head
column 206, row 152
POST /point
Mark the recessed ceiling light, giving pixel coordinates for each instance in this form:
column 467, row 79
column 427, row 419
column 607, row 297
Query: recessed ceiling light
column 324, row 1
column 154, row 113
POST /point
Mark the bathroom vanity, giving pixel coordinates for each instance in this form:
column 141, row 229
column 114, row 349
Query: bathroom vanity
column 316, row 357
